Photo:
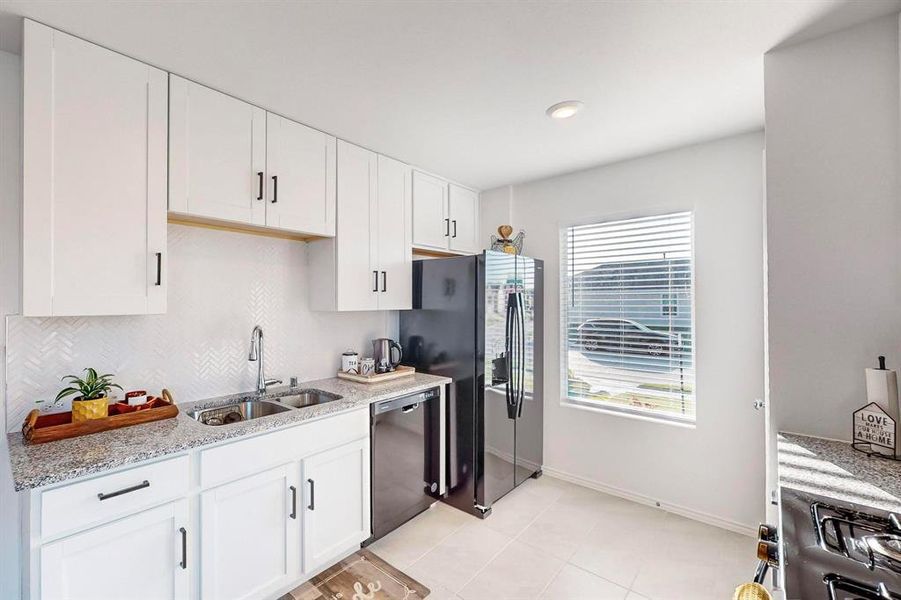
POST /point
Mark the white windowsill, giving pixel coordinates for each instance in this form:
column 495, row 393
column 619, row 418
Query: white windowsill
column 628, row 414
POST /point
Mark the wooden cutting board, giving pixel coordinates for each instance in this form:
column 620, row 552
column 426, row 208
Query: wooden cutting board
column 397, row 373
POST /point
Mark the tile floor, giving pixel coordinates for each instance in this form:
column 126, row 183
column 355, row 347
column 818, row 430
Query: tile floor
column 549, row 539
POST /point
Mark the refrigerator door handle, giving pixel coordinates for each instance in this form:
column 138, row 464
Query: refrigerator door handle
column 509, row 342
column 522, row 355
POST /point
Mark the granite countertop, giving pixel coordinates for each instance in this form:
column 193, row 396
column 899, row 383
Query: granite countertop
column 836, row 470
column 43, row 464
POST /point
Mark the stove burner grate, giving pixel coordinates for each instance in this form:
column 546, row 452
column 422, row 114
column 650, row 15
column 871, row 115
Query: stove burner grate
column 836, row 584
column 869, row 539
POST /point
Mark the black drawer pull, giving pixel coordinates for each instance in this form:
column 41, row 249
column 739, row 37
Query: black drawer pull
column 455, row 228
column 260, row 175
column 375, row 287
column 159, row 268
column 274, row 189
column 293, row 514
column 312, row 505
column 134, row 488
column 384, row 281
column 184, row 548
column 446, row 227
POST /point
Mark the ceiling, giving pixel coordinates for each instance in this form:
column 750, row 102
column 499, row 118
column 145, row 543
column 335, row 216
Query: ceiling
column 460, row 88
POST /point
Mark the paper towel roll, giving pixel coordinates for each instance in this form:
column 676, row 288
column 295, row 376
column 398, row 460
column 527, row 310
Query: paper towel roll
column 882, row 388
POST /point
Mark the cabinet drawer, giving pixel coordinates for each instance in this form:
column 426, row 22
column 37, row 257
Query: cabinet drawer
column 73, row 507
column 232, row 461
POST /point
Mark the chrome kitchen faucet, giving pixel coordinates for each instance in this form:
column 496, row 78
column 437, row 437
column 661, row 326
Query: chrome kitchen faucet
column 256, row 354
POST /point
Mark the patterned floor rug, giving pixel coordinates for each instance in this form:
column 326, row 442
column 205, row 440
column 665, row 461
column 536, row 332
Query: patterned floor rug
column 360, row 576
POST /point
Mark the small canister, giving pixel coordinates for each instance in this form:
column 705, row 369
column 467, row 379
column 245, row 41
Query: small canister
column 350, row 362
column 367, row 366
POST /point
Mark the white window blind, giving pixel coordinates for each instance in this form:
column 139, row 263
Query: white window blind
column 627, row 319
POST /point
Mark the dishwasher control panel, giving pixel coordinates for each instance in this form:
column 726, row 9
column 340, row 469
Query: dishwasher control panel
column 410, row 400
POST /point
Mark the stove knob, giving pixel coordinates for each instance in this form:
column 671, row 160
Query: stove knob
column 767, row 533
column 768, row 552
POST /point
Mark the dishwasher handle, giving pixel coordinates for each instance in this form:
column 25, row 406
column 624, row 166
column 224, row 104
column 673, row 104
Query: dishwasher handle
column 407, row 403
column 410, row 408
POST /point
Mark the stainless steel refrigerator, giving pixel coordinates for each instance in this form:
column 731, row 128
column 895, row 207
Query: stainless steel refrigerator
column 478, row 320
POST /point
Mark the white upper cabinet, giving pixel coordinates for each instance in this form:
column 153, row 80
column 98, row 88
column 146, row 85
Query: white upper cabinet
column 300, row 165
column 431, row 224
column 94, row 184
column 445, row 215
column 217, row 155
column 395, row 214
column 357, row 282
column 368, row 266
column 463, row 206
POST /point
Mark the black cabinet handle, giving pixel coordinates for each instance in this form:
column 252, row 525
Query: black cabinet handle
column 293, row 514
column 159, row 268
column 455, row 228
column 134, row 488
column 446, row 227
column 375, row 287
column 384, row 281
column 184, row 548
column 260, row 175
column 312, row 505
column 274, row 189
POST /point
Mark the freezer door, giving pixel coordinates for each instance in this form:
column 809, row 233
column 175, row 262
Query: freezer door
column 530, row 406
column 497, row 427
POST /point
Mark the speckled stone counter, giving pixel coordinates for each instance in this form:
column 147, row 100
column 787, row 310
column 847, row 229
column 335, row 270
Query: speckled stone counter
column 835, row 469
column 43, row 464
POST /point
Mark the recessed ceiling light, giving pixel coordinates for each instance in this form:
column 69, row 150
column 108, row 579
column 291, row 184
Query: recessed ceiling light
column 564, row 110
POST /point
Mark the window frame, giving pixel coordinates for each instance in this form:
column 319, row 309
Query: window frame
column 611, row 408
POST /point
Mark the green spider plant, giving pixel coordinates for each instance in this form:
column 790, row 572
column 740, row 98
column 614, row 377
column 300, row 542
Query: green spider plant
column 91, row 387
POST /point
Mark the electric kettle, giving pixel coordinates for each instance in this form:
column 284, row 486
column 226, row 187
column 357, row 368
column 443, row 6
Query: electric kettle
column 381, row 353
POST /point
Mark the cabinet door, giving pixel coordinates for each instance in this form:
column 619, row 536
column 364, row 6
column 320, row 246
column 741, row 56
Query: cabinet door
column 217, row 154
column 94, row 191
column 356, row 254
column 431, row 225
column 464, row 212
column 250, row 535
column 395, row 228
column 300, row 165
column 141, row 556
column 336, row 503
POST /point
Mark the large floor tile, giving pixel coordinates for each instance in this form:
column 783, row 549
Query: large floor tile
column 407, row 544
column 519, row 572
column 514, row 512
column 558, row 532
column 573, row 583
column 457, row 559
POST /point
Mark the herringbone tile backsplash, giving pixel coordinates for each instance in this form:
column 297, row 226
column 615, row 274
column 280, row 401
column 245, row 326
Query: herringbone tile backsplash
column 220, row 285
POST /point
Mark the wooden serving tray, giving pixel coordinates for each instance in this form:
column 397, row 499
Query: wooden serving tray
column 397, row 373
column 38, row 428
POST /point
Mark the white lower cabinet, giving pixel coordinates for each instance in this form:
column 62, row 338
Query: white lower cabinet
column 336, row 503
column 247, row 519
column 250, row 535
column 141, row 556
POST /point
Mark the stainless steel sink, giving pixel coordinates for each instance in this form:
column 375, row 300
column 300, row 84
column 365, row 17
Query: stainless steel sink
column 302, row 398
column 235, row 413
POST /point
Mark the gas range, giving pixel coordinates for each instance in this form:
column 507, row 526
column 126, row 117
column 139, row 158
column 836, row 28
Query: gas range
column 838, row 550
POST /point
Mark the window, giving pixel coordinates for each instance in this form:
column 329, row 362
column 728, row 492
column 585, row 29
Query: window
column 628, row 330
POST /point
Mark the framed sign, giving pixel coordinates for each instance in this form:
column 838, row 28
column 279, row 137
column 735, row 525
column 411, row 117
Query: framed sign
column 875, row 431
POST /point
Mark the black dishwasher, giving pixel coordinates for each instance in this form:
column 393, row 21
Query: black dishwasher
column 406, row 459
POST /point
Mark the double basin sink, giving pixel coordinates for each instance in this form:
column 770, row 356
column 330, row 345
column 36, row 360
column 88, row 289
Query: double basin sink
column 247, row 410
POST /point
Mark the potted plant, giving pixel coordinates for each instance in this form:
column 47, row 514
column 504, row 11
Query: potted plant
column 93, row 389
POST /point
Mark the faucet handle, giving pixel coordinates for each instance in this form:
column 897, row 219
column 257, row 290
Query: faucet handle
column 273, row 381
column 293, row 381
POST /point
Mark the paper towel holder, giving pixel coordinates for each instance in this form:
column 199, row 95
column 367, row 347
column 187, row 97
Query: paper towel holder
column 873, row 430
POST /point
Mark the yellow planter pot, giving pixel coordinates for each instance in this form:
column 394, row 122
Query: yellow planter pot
column 84, row 410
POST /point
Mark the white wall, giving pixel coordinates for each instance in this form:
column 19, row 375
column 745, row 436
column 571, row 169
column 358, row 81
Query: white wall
column 10, row 193
column 833, row 223
column 714, row 471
